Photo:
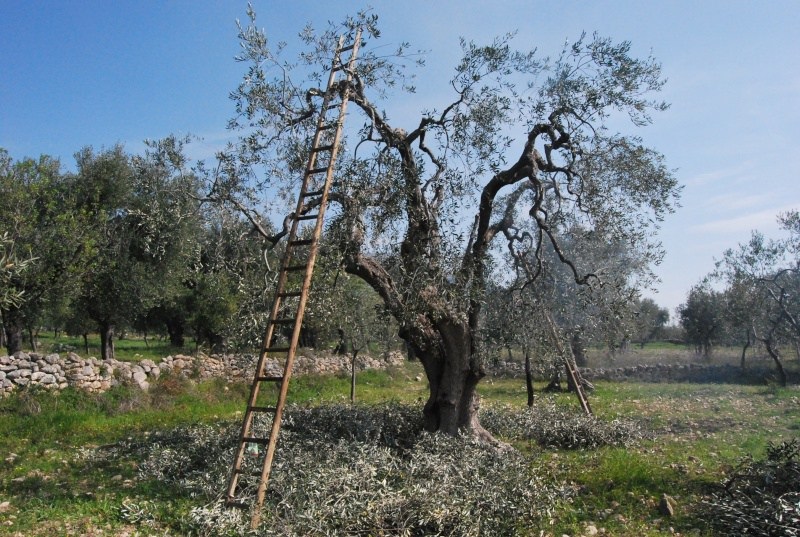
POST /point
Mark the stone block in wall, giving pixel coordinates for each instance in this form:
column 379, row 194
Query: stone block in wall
column 49, row 368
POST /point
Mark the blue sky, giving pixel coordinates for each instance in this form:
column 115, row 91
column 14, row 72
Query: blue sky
column 97, row 72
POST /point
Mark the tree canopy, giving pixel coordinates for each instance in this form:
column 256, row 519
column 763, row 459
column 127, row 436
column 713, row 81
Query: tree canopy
column 423, row 205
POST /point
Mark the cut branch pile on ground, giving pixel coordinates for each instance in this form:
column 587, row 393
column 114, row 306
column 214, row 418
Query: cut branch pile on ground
column 761, row 497
column 344, row 470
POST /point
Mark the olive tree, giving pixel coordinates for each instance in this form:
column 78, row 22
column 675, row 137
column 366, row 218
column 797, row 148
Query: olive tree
column 40, row 227
column 702, row 319
column 11, row 268
column 144, row 223
column 764, row 274
column 422, row 205
column 648, row 321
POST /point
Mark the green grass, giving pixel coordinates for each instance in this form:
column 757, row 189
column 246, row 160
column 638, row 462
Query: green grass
column 130, row 348
column 698, row 432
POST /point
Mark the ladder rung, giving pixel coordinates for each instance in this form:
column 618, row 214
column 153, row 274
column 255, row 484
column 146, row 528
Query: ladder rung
column 295, row 268
column 237, row 504
column 351, row 46
column 301, row 242
column 317, row 170
column 306, row 217
column 278, row 349
column 327, row 127
column 254, row 440
column 270, row 379
column 312, row 193
column 284, row 321
column 263, row 409
column 323, row 148
column 290, row 294
column 333, row 106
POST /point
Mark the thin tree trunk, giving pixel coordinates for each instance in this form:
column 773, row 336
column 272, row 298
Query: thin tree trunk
column 353, row 377
column 86, row 343
column 778, row 362
column 528, row 377
column 32, row 340
column 746, row 346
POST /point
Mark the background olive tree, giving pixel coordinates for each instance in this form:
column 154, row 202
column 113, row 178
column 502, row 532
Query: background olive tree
column 42, row 227
column 763, row 277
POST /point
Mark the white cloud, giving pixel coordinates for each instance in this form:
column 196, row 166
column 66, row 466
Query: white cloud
column 764, row 221
column 734, row 201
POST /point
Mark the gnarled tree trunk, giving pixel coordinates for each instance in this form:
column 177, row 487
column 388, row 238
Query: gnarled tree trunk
column 175, row 329
column 13, row 326
column 453, row 371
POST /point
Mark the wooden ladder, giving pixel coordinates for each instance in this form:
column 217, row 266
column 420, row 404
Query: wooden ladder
column 262, row 422
column 569, row 361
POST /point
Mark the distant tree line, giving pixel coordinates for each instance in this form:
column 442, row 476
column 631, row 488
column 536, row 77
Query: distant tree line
column 129, row 243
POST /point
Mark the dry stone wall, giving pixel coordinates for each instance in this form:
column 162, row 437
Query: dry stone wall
column 702, row 373
column 55, row 371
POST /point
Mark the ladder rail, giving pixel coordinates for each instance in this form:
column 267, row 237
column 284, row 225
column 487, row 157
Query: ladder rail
column 312, row 254
column 571, row 367
column 247, row 434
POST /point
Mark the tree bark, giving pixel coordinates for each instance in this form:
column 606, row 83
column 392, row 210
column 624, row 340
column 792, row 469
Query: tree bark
column 576, row 342
column 453, row 374
column 32, row 339
column 746, row 346
column 107, row 341
column 528, row 377
column 776, row 357
column 13, row 326
column 353, row 377
column 175, row 329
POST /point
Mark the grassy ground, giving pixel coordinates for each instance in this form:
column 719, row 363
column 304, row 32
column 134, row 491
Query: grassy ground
column 129, row 348
column 54, row 486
